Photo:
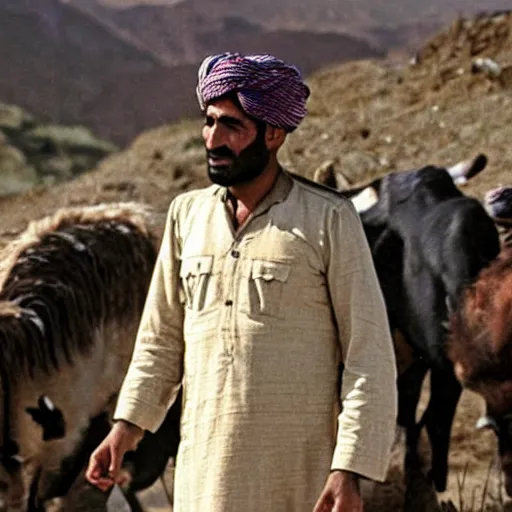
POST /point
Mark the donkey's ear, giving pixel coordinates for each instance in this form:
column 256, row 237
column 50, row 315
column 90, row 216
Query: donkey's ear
column 49, row 417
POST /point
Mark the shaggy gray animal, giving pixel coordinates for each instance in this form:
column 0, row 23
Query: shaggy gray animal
column 72, row 288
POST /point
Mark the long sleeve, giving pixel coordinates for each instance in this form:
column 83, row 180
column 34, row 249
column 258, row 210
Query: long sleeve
column 366, row 424
column 155, row 372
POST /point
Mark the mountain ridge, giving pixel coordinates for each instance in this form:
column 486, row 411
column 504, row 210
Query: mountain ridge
column 77, row 65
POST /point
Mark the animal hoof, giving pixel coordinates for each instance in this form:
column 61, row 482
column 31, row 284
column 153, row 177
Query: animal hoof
column 438, row 478
column 448, row 506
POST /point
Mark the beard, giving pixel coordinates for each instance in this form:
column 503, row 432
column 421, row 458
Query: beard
column 244, row 168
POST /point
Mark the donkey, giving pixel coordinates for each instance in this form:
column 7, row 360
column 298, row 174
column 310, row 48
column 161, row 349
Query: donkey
column 72, row 289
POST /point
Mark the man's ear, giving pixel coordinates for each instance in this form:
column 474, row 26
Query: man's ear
column 274, row 137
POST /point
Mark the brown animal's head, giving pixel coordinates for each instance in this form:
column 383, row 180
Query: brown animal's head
column 481, row 349
column 498, row 203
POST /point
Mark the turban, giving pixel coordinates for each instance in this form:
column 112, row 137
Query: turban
column 267, row 88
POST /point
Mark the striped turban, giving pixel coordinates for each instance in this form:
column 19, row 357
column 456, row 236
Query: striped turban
column 267, row 88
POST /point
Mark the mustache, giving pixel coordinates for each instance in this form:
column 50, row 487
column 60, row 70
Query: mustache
column 220, row 152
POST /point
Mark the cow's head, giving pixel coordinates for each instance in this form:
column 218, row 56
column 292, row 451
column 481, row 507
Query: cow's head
column 399, row 196
column 393, row 190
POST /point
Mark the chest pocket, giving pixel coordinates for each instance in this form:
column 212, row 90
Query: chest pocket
column 266, row 283
column 195, row 275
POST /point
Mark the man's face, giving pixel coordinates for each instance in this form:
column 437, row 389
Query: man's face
column 236, row 150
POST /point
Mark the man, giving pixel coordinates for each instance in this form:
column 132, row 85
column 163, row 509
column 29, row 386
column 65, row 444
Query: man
column 263, row 286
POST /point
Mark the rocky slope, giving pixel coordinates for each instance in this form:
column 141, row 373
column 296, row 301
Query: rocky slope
column 36, row 154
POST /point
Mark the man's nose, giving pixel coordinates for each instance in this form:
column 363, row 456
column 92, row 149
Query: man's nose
column 213, row 138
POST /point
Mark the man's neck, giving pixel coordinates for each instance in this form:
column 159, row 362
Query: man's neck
column 243, row 199
column 249, row 195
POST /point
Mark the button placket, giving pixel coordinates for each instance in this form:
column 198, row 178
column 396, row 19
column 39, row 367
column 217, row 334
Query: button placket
column 229, row 320
column 235, row 254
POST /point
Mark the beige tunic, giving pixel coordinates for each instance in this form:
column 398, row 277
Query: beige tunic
column 256, row 323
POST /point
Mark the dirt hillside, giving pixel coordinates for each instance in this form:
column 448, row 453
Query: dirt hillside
column 367, row 118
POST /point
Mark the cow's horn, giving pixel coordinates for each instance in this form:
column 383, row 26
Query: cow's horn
column 485, row 422
column 464, row 171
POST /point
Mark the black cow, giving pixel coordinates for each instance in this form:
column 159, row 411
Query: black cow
column 428, row 242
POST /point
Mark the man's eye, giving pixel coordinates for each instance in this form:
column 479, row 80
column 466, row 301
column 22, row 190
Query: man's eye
column 232, row 126
column 209, row 121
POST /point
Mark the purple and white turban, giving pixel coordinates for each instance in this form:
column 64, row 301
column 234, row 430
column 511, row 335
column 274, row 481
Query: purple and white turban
column 267, row 88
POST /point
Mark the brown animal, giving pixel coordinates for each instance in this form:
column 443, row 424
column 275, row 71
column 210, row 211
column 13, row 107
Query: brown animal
column 72, row 288
column 480, row 347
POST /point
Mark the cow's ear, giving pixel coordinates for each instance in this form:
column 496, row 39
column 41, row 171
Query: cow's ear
column 376, row 216
column 364, row 200
column 398, row 187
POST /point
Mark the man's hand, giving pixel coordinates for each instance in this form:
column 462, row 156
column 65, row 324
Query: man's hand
column 341, row 494
column 104, row 466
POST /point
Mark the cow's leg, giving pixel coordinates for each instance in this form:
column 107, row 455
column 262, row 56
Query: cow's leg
column 150, row 458
column 409, row 389
column 134, row 502
column 428, row 312
column 445, row 392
